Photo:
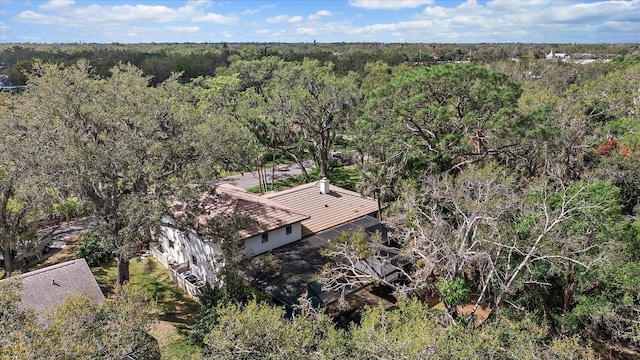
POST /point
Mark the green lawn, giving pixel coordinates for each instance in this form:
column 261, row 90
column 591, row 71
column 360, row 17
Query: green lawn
column 176, row 310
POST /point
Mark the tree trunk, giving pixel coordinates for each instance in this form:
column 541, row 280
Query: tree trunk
column 566, row 304
column 324, row 159
column 8, row 261
column 123, row 270
column 273, row 171
column 293, row 157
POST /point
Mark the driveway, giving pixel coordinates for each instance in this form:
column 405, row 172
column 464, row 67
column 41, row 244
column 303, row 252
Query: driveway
column 250, row 179
column 63, row 234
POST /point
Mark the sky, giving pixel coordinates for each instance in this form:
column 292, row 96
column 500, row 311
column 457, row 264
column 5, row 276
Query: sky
column 292, row 21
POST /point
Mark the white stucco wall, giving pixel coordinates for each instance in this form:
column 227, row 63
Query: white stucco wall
column 168, row 233
column 277, row 238
column 187, row 245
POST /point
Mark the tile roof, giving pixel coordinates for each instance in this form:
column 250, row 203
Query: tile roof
column 334, row 208
column 46, row 288
column 230, row 200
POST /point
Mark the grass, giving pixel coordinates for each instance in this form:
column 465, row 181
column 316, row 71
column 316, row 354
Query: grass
column 175, row 309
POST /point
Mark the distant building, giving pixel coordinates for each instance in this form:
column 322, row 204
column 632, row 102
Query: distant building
column 557, row 56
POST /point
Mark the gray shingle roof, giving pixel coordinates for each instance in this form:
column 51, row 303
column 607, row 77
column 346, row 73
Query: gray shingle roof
column 44, row 289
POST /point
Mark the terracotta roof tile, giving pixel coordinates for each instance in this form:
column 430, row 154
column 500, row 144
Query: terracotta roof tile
column 334, row 208
column 268, row 214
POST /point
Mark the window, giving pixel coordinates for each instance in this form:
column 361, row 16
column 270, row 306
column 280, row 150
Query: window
column 287, row 230
column 265, row 237
column 194, row 260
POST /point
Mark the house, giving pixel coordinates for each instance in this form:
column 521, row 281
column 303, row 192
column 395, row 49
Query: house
column 559, row 56
column 293, row 225
column 47, row 288
column 197, row 259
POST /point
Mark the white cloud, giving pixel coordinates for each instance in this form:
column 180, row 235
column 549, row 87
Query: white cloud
column 56, row 4
column 506, row 21
column 258, row 10
column 183, row 29
column 389, row 4
column 429, row 21
column 41, row 19
column 226, row 34
column 277, row 19
column 127, row 14
column 319, row 15
column 250, row 11
column 216, row 18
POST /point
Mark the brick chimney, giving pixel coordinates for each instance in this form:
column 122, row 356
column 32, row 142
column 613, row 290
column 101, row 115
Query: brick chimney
column 324, row 186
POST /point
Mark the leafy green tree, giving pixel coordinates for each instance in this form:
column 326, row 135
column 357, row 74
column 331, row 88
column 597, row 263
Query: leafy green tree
column 253, row 74
column 260, row 331
column 121, row 145
column 79, row 328
column 24, row 192
column 314, row 103
column 228, row 290
column 410, row 331
column 445, row 116
column 607, row 297
column 92, row 249
column 380, row 182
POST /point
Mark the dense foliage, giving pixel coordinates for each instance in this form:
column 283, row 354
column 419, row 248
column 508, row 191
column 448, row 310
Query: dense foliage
column 79, row 328
column 512, row 182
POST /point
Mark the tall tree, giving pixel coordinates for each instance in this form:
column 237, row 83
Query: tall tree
column 446, row 116
column 314, row 103
column 379, row 181
column 24, row 192
column 79, row 328
column 119, row 141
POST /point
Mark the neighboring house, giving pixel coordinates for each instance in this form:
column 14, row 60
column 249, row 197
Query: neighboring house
column 560, row 56
column 47, row 288
column 196, row 259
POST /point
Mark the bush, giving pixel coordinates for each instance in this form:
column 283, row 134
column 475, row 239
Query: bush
column 68, row 209
column 92, row 250
column 231, row 291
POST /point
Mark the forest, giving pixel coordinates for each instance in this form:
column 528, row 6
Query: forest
column 511, row 182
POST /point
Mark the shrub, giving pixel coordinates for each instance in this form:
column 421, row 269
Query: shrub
column 68, row 209
column 92, row 250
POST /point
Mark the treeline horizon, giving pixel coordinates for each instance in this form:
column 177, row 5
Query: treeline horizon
column 160, row 60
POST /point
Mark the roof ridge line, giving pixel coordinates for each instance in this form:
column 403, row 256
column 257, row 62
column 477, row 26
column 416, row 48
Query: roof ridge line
column 247, row 196
column 50, row 268
column 293, row 189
